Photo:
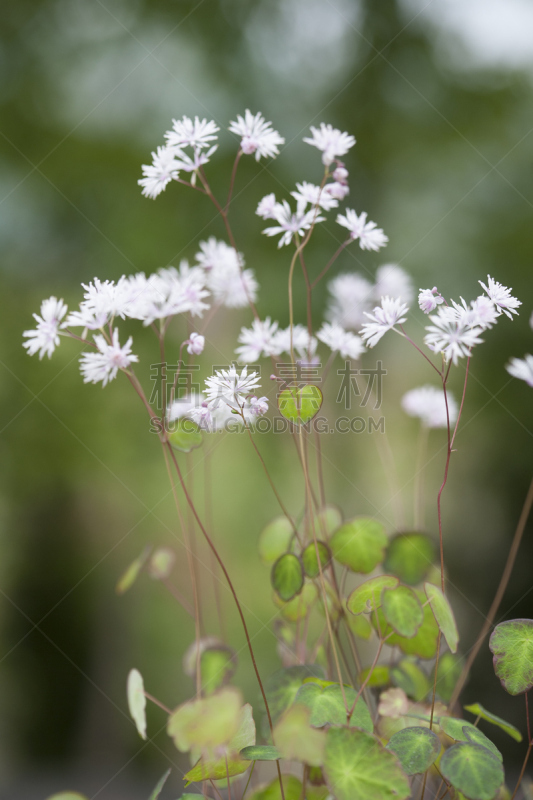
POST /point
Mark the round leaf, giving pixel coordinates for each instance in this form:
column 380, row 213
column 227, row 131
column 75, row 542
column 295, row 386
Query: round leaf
column 360, row 625
column 359, row 544
column 298, row 608
column 326, row 704
column 130, row 575
column 296, row 739
column 287, row 576
column 449, row 670
column 300, row 404
column 424, row 643
column 206, row 723
column 367, row 597
column 357, row 765
column 230, row 762
column 511, row 644
column 275, row 539
column 402, row 610
column 282, row 686
column 185, row 435
column 409, row 557
column 137, row 701
column 417, row 749
column 443, row 615
column 478, row 711
column 463, row 731
column 310, row 561
column 217, row 667
column 260, row 752
column 473, row 770
column 413, row 680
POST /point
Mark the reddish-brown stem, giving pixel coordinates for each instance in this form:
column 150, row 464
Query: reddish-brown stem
column 309, row 290
column 330, row 262
column 157, row 703
column 526, row 759
column 430, row 362
column 232, row 181
column 177, row 596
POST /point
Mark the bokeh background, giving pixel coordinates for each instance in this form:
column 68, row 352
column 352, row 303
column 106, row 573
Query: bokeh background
column 439, row 95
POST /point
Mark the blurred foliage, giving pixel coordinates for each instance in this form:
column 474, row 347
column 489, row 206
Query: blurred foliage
column 443, row 163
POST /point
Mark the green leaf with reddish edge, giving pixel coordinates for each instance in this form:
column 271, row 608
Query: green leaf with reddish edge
column 296, row 739
column 275, row 539
column 443, row 614
column 380, row 676
column 326, row 704
column 402, row 610
column 359, row 544
column 511, row 644
column 410, row 557
column 367, row 597
column 478, row 711
column 473, row 770
column 287, row 577
column 424, row 643
column 217, row 667
column 185, row 435
column 282, row 686
column 231, row 763
column 310, row 561
column 360, row 625
column 417, row 748
column 159, row 788
column 292, row 789
column 326, row 522
column 299, row 607
column 300, row 404
column 408, row 676
column 448, row 672
column 130, row 575
column 208, row 722
column 462, row 731
column 357, row 765
column 260, row 752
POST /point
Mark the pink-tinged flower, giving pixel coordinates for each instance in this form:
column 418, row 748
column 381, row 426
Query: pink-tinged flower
column 383, row 319
column 45, row 338
column 258, row 136
column 230, row 387
column 199, row 158
column 501, row 297
column 429, row 299
column 258, row 405
column 451, row 335
column 163, row 169
column 309, row 193
column 522, row 368
column 481, row 313
column 346, row 343
column 428, row 404
column 197, row 134
column 257, row 341
column 195, row 344
column 290, row 223
column 337, row 190
column 332, row 142
column 267, row 206
column 370, row 237
column 340, row 174
column 104, row 365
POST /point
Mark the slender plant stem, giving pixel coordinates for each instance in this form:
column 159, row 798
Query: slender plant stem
column 330, row 262
column 232, row 181
column 418, row 500
column 309, row 292
column 430, row 362
column 319, row 468
column 157, row 703
column 177, row 596
column 248, row 781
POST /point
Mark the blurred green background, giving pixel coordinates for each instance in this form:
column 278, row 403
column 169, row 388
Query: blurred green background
column 439, row 96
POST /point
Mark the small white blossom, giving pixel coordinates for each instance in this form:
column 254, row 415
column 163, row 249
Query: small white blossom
column 345, row 342
column 429, row 299
column 337, row 190
column 45, row 338
column 309, row 193
column 370, row 236
column 258, row 405
column 230, row 284
column 230, row 387
column 258, row 136
column 266, row 207
column 184, row 405
column 393, row 281
column 522, row 368
column 257, row 341
column 103, row 300
column 104, row 365
column 195, row 134
column 340, row 174
column 290, row 223
column 351, row 295
column 195, row 344
column 331, row 141
column 501, row 297
column 199, row 158
column 167, row 293
column 451, row 335
column 302, row 343
column 480, row 313
column 163, row 169
column 428, row 404
column 383, row 319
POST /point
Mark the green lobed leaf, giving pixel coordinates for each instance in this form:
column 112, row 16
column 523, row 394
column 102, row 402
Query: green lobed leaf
column 402, row 610
column 448, row 672
column 217, row 667
column 417, row 748
column 185, row 435
column 380, row 676
column 130, row 575
column 478, row 711
column 208, row 722
column 159, row 788
column 359, row 544
column 310, row 561
column 297, row 739
column 410, row 557
column 287, row 576
column 360, row 625
column 511, row 644
column 357, row 765
column 424, row 643
column 298, row 608
column 326, row 704
column 443, row 614
column 137, row 701
column 260, row 752
column 408, row 676
column 473, row 770
column 367, row 597
column 275, row 539
column 231, row 763
column 463, row 731
column 300, row 404
column 281, row 687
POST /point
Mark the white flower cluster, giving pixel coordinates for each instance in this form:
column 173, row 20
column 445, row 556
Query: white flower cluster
column 428, row 404
column 522, row 368
column 267, row 339
column 351, row 294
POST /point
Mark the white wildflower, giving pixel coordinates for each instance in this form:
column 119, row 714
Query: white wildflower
column 104, row 365
column 429, row 299
column 258, row 405
column 337, row 190
column 199, row 158
column 393, row 281
column 309, row 193
column 501, row 297
column 257, row 135
column 303, row 344
column 451, row 335
column 370, row 236
column 331, row 141
column 197, row 134
column 428, row 404
column 266, row 207
column 345, row 342
column 163, row 169
column 195, row 344
column 230, row 387
column 383, row 319
column 45, row 338
column 522, row 368
column 257, row 341
column 350, row 296
column 184, row 405
column 290, row 223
